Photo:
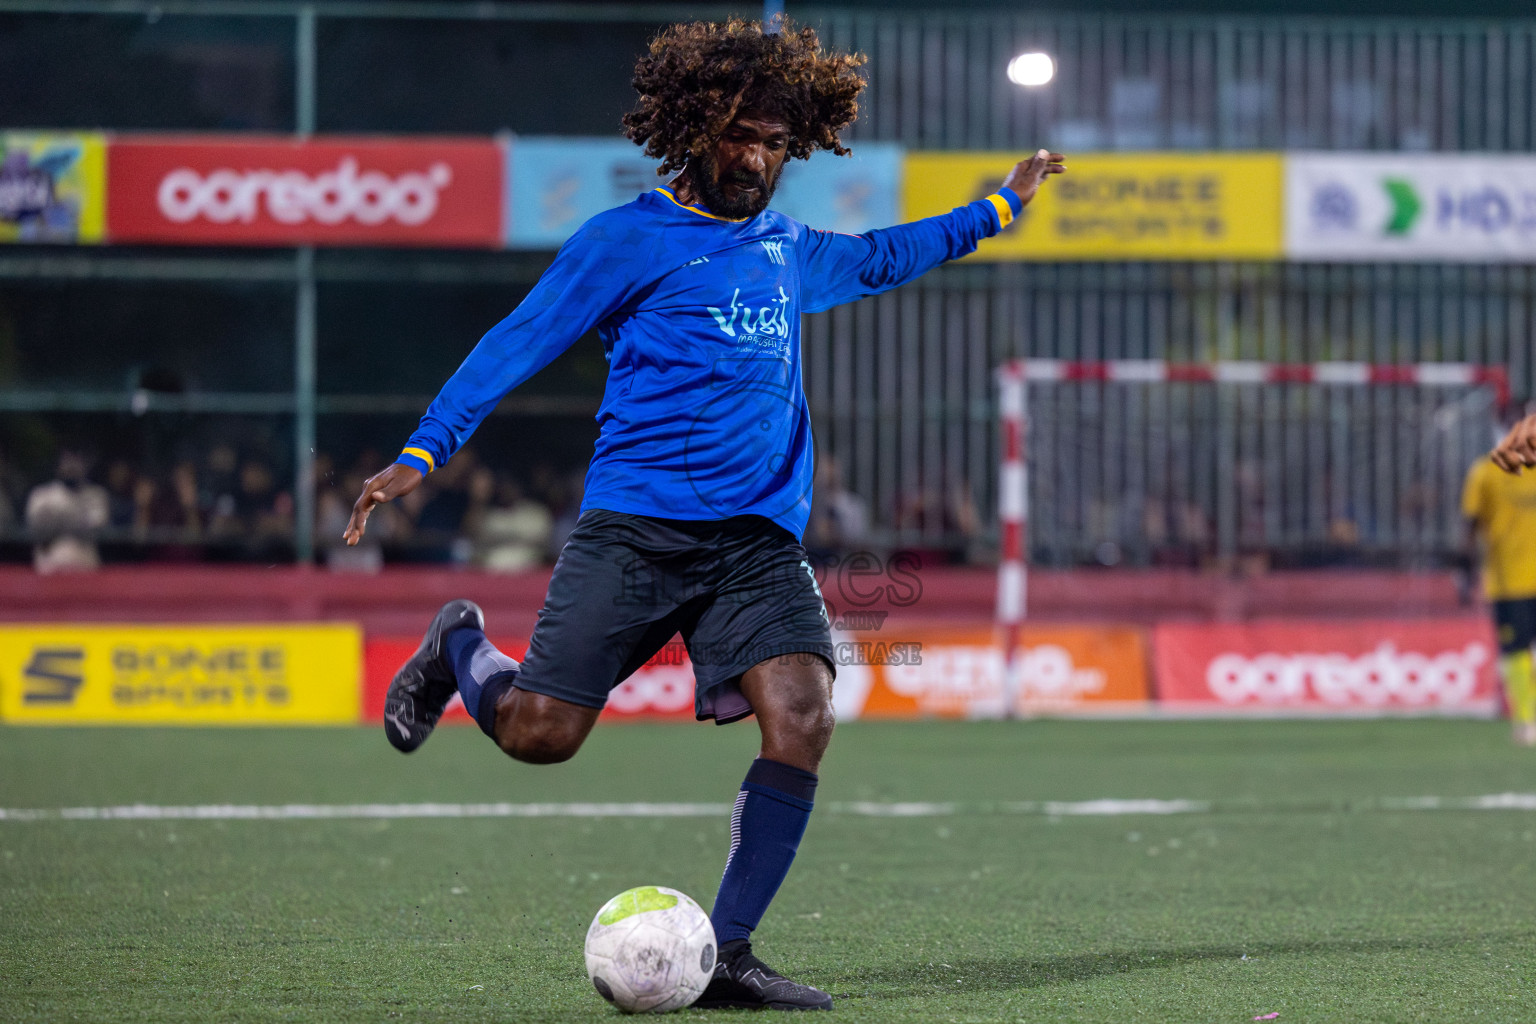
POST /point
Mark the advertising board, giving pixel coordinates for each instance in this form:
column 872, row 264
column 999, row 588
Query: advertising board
column 663, row 688
column 1382, row 206
column 945, row 672
column 958, row 672
column 556, row 183
column 1426, row 665
column 179, row 675
column 255, row 190
column 52, row 186
column 1115, row 206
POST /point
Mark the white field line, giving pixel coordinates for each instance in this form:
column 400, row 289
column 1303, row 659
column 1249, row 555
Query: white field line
column 867, row 809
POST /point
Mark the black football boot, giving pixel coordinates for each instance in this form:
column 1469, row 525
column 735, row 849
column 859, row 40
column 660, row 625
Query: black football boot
column 425, row 684
column 743, row 982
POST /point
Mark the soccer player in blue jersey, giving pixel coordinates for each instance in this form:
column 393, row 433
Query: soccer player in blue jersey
column 700, row 485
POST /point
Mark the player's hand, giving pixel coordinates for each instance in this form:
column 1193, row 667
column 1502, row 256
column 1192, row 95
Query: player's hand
column 1518, row 449
column 1028, row 175
column 393, row 481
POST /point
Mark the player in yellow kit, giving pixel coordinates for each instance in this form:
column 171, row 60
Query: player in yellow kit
column 1501, row 508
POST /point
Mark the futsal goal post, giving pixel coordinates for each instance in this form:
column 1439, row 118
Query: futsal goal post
column 1147, row 462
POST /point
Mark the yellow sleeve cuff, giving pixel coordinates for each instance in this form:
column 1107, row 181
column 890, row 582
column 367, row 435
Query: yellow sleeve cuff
column 1004, row 210
column 423, row 455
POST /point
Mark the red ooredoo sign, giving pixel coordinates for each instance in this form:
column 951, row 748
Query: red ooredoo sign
column 1444, row 665
column 223, row 190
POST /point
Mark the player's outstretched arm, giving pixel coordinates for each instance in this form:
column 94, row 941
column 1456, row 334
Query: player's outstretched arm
column 837, row 268
column 1028, row 175
column 386, row 485
column 1518, row 449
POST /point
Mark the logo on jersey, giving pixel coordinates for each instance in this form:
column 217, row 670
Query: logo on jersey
column 775, row 249
column 771, row 320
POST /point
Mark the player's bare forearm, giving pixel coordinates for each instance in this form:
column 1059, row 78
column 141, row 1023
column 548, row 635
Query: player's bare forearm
column 1518, row 449
column 1028, row 175
column 386, row 485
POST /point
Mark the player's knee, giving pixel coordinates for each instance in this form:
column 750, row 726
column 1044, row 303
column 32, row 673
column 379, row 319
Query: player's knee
column 804, row 715
column 542, row 744
column 536, row 738
column 816, row 720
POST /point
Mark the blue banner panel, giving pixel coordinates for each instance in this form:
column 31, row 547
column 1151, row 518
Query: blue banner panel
column 556, row 183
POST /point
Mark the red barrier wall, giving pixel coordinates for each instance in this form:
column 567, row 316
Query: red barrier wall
column 400, row 601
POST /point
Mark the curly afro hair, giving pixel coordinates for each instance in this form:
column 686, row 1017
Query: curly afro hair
column 698, row 76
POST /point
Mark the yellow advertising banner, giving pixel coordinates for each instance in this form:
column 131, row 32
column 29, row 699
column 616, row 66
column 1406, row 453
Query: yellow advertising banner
column 180, row 675
column 52, row 186
column 1117, row 206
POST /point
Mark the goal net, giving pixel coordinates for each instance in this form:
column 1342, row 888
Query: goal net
column 1149, row 463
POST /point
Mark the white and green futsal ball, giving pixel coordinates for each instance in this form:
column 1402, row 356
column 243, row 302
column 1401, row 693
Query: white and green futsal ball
column 650, row 950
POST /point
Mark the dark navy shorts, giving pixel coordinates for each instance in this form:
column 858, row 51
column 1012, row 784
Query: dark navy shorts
column 1515, row 622
column 739, row 590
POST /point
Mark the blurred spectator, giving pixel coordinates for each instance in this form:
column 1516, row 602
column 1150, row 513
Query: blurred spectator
column 388, row 525
column 839, row 519
column 121, row 485
column 513, row 530
column 220, row 481
column 257, row 516
column 567, row 505
column 939, row 512
column 8, row 487
column 1178, row 533
column 64, row 516
column 441, row 520
column 232, row 504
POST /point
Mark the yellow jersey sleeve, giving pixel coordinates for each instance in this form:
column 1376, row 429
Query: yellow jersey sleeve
column 1472, row 505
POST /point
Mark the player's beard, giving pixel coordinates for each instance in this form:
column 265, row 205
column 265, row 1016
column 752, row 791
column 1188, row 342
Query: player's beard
column 708, row 181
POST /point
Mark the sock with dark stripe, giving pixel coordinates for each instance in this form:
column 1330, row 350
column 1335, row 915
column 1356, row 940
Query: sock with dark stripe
column 770, row 816
column 483, row 674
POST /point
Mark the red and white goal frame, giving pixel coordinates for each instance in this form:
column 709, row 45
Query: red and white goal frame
column 1013, row 480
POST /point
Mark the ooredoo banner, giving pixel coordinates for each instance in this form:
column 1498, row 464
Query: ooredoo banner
column 179, row 675
column 959, row 672
column 252, row 190
column 1440, row 665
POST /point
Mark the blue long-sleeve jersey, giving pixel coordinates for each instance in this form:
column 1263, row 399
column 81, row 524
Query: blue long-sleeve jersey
column 704, row 415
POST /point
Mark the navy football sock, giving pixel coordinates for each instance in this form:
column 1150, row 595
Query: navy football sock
column 771, row 813
column 483, row 674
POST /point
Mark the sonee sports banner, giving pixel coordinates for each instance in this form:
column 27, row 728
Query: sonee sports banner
column 1117, row 206
column 253, row 190
column 180, row 675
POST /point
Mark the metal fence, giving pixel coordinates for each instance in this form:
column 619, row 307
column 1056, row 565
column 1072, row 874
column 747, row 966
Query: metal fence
column 1195, row 83
column 1292, row 475
column 902, row 392
column 900, row 385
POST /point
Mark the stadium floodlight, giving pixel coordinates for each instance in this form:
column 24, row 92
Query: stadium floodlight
column 1031, row 69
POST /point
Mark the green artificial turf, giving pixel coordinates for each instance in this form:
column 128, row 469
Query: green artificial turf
column 1302, row 890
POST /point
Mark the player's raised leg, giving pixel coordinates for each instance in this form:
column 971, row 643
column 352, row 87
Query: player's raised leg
column 792, row 698
column 456, row 656
column 423, row 686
